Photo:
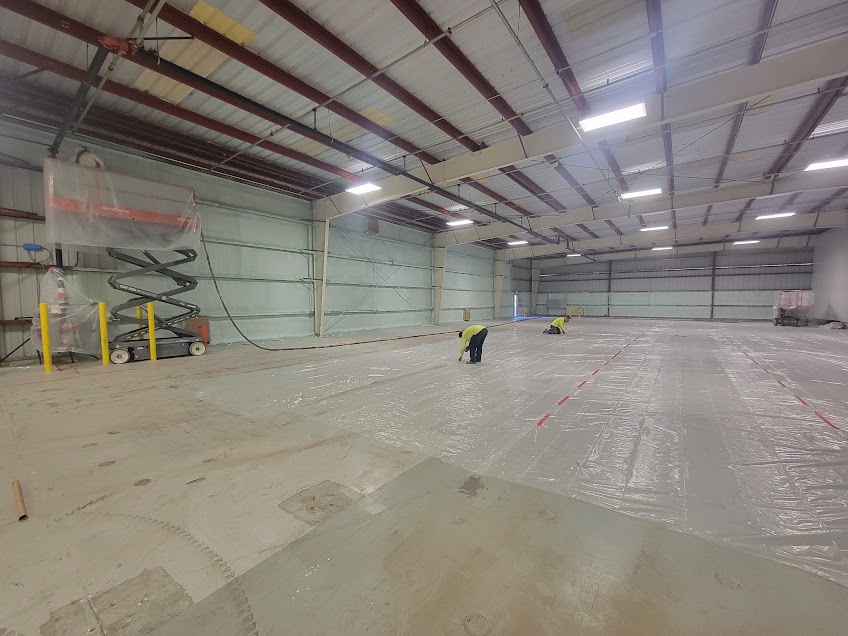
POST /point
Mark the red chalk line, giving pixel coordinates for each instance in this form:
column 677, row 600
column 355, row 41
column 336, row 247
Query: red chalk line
column 562, row 401
column 797, row 397
column 542, row 421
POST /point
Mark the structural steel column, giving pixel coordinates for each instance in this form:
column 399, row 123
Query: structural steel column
column 321, row 248
column 534, row 287
column 500, row 268
column 609, row 288
column 439, row 257
column 712, row 289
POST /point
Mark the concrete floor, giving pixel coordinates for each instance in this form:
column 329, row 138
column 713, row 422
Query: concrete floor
column 247, row 492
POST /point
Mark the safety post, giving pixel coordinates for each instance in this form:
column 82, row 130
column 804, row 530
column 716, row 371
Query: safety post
column 138, row 315
column 45, row 338
column 104, row 335
column 151, row 330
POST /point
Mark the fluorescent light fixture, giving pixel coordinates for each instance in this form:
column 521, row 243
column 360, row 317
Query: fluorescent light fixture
column 362, row 189
column 830, row 129
column 744, row 242
column 458, row 207
column 823, row 165
column 460, row 222
column 517, row 243
column 641, row 193
column 570, row 255
column 776, row 215
column 657, row 249
column 653, row 228
column 614, row 117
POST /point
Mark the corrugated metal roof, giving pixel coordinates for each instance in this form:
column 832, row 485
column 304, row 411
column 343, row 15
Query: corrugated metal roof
column 608, row 48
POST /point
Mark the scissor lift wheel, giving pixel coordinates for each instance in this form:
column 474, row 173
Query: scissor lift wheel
column 120, row 356
column 197, row 349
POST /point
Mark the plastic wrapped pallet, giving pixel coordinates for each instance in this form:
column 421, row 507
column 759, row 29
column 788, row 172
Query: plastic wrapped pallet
column 93, row 207
column 72, row 317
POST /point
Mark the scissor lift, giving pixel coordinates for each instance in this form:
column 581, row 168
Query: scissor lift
column 133, row 219
column 134, row 344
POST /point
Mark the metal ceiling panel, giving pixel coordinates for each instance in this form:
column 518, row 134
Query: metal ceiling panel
column 800, row 23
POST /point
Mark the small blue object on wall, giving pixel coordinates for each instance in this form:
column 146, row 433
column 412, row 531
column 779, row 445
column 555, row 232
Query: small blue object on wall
column 33, row 247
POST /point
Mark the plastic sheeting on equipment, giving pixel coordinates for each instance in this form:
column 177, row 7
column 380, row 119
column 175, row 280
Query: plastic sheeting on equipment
column 73, row 318
column 88, row 206
column 694, row 425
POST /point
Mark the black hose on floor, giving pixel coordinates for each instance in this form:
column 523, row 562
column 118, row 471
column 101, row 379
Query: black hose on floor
column 326, row 346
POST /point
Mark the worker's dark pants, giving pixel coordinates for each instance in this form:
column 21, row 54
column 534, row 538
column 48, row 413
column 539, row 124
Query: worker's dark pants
column 554, row 330
column 475, row 345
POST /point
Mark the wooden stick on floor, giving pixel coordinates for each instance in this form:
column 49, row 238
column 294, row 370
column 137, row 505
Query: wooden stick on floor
column 18, row 495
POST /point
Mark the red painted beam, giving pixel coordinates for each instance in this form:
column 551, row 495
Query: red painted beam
column 148, row 146
column 21, row 54
column 831, row 92
column 55, row 104
column 539, row 22
column 200, row 31
column 316, row 31
column 20, row 214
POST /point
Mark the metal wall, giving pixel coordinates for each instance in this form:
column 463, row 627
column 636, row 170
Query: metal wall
column 260, row 244
column 469, row 282
column 737, row 286
column 377, row 281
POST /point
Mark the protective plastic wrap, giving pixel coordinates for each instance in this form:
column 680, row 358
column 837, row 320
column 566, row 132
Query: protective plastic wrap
column 726, row 431
column 89, row 206
column 72, row 316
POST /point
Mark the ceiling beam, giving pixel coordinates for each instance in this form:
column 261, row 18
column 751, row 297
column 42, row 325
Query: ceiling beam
column 49, row 64
column 295, row 16
column 428, row 27
column 756, row 57
column 802, row 222
column 810, row 65
column 802, row 182
column 785, row 242
column 831, row 92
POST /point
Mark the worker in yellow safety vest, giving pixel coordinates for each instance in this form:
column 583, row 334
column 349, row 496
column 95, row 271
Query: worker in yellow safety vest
column 557, row 326
column 472, row 341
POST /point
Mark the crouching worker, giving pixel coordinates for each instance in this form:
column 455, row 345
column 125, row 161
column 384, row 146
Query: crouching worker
column 472, row 341
column 557, row 326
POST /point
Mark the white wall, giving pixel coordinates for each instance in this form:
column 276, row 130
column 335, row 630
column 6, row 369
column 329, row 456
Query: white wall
column 830, row 275
column 261, row 246
column 676, row 287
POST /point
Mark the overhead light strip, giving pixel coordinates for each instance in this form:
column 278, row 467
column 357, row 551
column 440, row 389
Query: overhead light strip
column 641, row 193
column 824, row 165
column 613, row 117
column 776, row 215
column 362, row 189
column 460, row 222
column 654, row 228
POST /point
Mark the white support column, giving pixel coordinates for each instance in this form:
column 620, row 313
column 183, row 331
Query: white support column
column 439, row 257
column 500, row 268
column 321, row 247
column 534, row 287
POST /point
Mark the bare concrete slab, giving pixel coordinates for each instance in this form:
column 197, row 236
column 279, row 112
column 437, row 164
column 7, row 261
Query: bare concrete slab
column 132, row 608
column 503, row 558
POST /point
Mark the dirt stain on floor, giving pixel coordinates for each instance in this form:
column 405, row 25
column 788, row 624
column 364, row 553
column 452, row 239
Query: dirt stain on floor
column 471, row 486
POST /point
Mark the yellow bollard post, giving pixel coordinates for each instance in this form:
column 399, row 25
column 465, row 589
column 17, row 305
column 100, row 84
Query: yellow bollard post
column 104, row 335
column 138, row 315
column 151, row 330
column 45, row 338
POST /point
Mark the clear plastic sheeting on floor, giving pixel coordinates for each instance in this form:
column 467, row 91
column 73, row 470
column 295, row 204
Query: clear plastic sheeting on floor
column 728, row 431
column 93, row 207
column 73, row 318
